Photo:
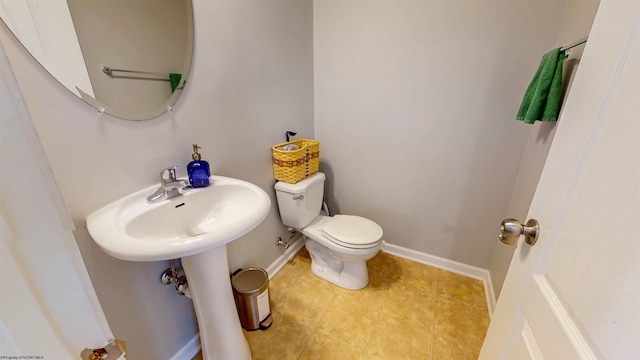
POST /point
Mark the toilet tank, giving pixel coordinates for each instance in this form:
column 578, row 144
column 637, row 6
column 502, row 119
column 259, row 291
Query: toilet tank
column 300, row 203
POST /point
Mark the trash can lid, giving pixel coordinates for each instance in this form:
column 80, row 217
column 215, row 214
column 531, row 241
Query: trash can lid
column 249, row 280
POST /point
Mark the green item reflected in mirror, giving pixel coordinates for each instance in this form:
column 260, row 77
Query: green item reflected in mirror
column 175, row 81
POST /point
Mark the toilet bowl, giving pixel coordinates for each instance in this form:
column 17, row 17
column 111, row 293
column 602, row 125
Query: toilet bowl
column 339, row 246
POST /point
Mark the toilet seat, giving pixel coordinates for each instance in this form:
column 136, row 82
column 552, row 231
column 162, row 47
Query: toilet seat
column 352, row 231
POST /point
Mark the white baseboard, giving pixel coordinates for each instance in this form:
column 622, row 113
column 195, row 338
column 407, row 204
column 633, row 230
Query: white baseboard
column 449, row 265
column 188, row 351
column 282, row 260
column 491, row 295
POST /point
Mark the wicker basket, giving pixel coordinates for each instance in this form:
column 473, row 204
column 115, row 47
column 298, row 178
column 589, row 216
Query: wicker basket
column 292, row 166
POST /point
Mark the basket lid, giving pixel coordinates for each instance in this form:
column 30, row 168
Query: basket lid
column 301, row 186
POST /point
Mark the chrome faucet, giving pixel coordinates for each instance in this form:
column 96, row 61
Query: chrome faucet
column 170, row 186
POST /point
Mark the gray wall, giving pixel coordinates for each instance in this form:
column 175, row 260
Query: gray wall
column 415, row 105
column 251, row 80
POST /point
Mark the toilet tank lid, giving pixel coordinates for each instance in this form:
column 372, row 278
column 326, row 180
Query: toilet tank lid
column 300, row 186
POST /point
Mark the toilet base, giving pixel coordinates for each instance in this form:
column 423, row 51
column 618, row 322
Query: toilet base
column 347, row 275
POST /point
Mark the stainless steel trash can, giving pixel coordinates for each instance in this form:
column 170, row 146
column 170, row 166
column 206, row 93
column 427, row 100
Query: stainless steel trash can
column 251, row 293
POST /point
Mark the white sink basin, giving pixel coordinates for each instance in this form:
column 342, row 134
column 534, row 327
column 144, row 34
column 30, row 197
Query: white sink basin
column 201, row 219
column 195, row 227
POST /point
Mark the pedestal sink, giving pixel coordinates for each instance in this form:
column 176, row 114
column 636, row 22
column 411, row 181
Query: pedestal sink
column 196, row 227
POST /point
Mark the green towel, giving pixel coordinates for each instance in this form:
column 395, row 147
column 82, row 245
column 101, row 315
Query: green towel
column 542, row 99
column 175, row 81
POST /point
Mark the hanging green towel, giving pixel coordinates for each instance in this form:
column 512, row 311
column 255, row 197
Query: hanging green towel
column 175, row 81
column 542, row 99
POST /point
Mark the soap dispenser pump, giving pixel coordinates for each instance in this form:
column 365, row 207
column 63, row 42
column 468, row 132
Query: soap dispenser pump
column 198, row 170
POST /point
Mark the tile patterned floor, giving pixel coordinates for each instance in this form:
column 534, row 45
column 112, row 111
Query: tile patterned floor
column 408, row 311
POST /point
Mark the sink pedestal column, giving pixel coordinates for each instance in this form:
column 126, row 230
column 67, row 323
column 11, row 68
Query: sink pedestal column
column 210, row 286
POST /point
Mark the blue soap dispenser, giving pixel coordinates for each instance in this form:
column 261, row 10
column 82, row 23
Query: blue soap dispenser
column 198, row 170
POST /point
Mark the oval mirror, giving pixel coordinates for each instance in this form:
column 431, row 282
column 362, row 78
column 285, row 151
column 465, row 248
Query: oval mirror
column 128, row 58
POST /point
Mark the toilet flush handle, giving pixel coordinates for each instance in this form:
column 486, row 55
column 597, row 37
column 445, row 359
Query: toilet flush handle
column 298, row 197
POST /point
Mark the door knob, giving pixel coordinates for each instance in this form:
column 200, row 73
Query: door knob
column 511, row 229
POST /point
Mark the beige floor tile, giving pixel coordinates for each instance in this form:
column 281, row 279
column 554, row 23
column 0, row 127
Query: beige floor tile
column 281, row 284
column 305, row 303
column 277, row 298
column 411, row 273
column 458, row 320
column 383, row 263
column 448, row 348
column 372, row 295
column 349, row 323
column 286, row 277
column 321, row 347
column 413, row 305
column 461, row 288
column 284, row 282
column 284, row 340
column 315, row 281
column 408, row 311
column 394, row 339
column 300, row 265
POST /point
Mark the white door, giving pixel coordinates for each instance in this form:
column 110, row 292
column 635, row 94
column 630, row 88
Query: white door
column 575, row 294
column 48, row 307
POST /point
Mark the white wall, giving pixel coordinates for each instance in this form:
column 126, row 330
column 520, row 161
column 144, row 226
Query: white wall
column 415, row 104
column 577, row 17
column 251, row 80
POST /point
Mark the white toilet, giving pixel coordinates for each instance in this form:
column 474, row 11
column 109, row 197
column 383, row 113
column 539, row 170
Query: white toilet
column 340, row 245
